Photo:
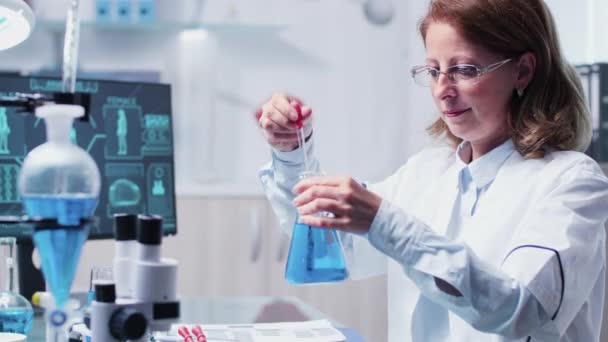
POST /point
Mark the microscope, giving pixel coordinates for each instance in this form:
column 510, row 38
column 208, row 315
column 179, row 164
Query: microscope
column 143, row 297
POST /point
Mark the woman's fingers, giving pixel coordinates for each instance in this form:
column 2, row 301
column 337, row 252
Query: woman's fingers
column 282, row 103
column 325, row 204
column 326, row 222
column 280, row 138
column 278, row 120
column 352, row 206
column 272, row 116
column 272, row 123
column 309, row 182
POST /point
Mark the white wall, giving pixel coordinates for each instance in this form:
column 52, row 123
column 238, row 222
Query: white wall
column 355, row 76
column 582, row 26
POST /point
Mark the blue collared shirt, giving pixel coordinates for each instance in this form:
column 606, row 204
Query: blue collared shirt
column 474, row 179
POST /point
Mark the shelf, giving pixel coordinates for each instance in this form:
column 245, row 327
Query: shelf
column 165, row 27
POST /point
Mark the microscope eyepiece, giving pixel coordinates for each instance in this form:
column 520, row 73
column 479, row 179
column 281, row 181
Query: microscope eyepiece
column 150, row 230
column 125, row 227
column 105, row 293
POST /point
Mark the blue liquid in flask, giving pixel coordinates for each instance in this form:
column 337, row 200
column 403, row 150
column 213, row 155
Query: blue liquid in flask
column 315, row 256
column 16, row 320
column 60, row 248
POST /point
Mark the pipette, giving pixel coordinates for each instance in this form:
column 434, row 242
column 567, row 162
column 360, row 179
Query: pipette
column 300, row 131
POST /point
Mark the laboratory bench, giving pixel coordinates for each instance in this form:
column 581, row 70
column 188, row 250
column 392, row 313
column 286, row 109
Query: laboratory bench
column 236, row 310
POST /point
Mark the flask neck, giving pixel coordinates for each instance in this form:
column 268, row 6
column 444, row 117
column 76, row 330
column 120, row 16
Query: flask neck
column 58, row 120
column 58, row 129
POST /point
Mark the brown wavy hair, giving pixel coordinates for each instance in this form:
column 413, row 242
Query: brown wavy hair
column 552, row 113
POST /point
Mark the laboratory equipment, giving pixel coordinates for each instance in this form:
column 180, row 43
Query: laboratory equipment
column 16, row 312
column 315, row 254
column 125, row 230
column 99, row 274
column 184, row 332
column 111, row 321
column 128, row 180
column 16, row 23
column 70, row 47
column 198, row 332
column 45, row 300
column 61, row 181
column 152, row 305
column 56, row 186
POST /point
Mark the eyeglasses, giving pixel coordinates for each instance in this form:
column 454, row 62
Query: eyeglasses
column 460, row 73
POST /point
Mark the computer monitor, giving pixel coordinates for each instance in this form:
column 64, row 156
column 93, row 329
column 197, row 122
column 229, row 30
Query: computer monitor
column 128, row 134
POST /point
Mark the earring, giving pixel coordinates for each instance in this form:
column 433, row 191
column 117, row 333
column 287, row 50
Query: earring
column 520, row 92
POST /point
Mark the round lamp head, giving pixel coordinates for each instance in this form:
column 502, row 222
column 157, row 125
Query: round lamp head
column 16, row 23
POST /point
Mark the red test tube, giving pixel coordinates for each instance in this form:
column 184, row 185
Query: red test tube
column 185, row 334
column 197, row 330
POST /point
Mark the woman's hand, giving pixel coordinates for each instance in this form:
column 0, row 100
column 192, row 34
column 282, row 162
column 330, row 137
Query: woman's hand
column 353, row 206
column 278, row 119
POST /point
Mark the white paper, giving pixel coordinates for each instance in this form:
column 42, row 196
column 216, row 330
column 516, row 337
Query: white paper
column 317, row 331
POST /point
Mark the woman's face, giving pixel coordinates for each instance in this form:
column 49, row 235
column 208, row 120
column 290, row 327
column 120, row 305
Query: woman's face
column 473, row 111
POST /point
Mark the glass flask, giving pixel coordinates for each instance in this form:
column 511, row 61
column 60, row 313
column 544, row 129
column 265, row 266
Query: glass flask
column 315, row 254
column 59, row 180
column 16, row 312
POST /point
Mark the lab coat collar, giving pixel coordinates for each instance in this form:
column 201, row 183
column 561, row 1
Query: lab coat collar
column 483, row 170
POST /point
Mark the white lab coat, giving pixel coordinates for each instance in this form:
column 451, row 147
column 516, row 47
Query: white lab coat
column 539, row 224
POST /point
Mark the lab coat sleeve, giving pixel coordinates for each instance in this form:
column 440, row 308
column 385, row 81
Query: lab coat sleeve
column 569, row 225
column 516, row 300
column 366, row 259
column 279, row 176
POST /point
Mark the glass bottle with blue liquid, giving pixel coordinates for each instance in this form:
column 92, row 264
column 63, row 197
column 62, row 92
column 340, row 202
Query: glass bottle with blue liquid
column 16, row 312
column 315, row 254
column 59, row 181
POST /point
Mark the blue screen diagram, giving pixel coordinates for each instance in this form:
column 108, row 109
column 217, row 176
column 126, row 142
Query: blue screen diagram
column 129, row 134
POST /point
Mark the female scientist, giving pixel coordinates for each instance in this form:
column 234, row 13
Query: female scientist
column 498, row 236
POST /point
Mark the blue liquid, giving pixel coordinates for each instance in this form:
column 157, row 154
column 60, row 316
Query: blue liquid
column 16, row 321
column 60, row 248
column 315, row 256
column 68, row 210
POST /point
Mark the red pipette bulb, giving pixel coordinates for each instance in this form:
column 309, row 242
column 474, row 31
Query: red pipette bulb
column 298, row 109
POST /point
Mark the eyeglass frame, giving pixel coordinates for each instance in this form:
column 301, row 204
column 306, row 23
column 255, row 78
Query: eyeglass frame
column 415, row 70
